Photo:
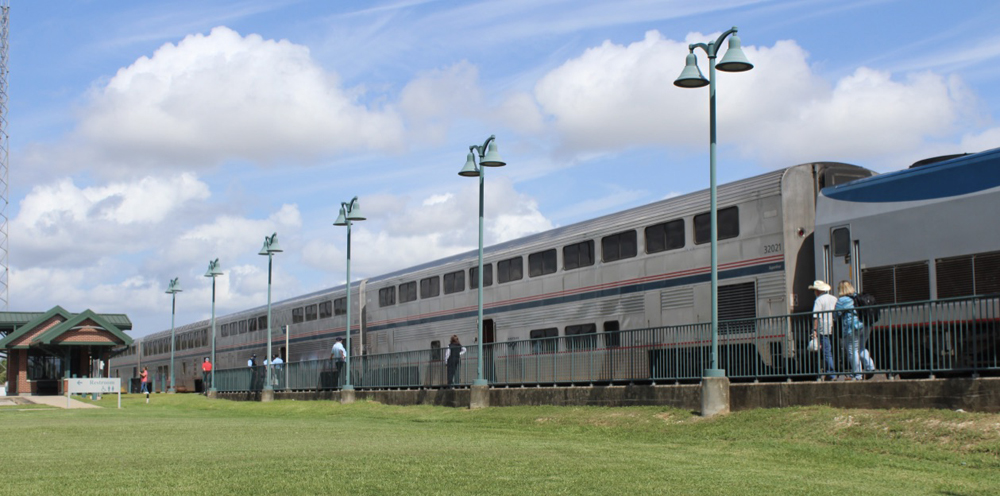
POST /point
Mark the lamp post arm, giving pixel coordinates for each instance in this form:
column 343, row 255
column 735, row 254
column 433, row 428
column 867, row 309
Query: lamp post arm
column 712, row 48
column 481, row 151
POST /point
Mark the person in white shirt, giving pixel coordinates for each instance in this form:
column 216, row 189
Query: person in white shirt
column 339, row 357
column 276, row 370
column 823, row 323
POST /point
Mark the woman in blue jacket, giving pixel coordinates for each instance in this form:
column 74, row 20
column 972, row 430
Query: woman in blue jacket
column 853, row 333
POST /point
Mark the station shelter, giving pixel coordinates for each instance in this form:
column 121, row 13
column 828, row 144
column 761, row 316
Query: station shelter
column 44, row 349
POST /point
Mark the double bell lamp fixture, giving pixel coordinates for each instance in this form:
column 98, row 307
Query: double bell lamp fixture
column 488, row 157
column 691, row 77
column 214, row 270
column 349, row 213
column 172, row 289
column 270, row 247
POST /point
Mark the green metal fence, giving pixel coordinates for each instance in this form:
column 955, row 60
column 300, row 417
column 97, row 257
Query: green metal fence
column 921, row 339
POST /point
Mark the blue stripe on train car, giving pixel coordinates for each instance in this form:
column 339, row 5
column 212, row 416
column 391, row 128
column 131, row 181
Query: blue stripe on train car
column 960, row 176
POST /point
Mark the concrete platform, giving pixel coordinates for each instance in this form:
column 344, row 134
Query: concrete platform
column 973, row 395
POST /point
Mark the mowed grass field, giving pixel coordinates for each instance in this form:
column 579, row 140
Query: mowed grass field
column 187, row 444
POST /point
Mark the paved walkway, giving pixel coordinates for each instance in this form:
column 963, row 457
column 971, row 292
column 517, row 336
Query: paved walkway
column 56, row 401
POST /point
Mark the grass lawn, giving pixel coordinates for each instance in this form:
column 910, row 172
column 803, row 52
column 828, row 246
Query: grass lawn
column 186, row 444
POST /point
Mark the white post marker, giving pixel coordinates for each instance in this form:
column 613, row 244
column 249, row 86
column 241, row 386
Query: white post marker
column 82, row 385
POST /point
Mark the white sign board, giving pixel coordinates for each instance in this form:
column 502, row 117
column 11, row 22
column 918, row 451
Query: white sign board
column 113, row 385
column 110, row 385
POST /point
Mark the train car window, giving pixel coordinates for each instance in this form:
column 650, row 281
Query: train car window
column 841, row 240
column 262, row 322
column 252, row 324
column 386, row 297
column 204, row 337
column 325, row 309
column 435, row 351
column 612, row 338
column 578, row 255
column 311, row 313
column 408, row 292
column 340, row 305
column 542, row 345
column 225, row 330
column 511, row 269
column 454, row 282
column 620, row 246
column 430, row 287
column 242, row 324
column 581, row 336
column 298, row 315
column 487, row 276
column 666, row 236
column 541, row 263
column 729, row 225
column 738, row 308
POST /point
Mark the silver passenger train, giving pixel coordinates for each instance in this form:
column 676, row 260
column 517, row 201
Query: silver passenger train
column 644, row 267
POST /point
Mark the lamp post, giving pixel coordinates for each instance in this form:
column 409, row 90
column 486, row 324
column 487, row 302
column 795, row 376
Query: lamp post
column 349, row 212
column 269, row 249
column 733, row 61
column 488, row 157
column 172, row 289
column 213, row 271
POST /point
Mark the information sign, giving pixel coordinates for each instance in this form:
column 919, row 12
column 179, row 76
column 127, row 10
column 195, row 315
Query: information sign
column 100, row 385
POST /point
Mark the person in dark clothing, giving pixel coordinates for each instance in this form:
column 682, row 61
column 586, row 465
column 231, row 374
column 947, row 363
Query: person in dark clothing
column 452, row 357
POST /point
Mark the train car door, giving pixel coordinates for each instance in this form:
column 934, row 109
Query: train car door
column 489, row 337
column 841, row 258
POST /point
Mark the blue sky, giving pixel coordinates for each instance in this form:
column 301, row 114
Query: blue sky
column 147, row 138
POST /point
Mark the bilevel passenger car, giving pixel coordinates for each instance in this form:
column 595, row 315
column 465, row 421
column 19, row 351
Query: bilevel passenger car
column 641, row 268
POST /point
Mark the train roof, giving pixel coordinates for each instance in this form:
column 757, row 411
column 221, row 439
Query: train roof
column 964, row 174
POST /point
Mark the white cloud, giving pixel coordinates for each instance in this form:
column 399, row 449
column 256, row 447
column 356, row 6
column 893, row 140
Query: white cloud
column 231, row 237
column 219, row 96
column 435, row 99
column 780, row 113
column 401, row 231
column 62, row 223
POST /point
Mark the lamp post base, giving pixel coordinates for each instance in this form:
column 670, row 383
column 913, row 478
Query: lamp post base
column 714, row 396
column 212, row 393
column 479, row 396
column 171, row 391
column 267, row 395
column 347, row 395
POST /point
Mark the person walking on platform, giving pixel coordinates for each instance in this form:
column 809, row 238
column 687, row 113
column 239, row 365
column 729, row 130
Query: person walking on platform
column 145, row 383
column 853, row 331
column 453, row 357
column 206, row 375
column 339, row 356
column 823, row 323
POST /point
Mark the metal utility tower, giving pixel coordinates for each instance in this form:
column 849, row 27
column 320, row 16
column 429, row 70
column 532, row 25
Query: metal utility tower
column 4, row 169
column 4, row 200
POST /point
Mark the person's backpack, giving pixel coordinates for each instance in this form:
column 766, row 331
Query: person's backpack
column 864, row 304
